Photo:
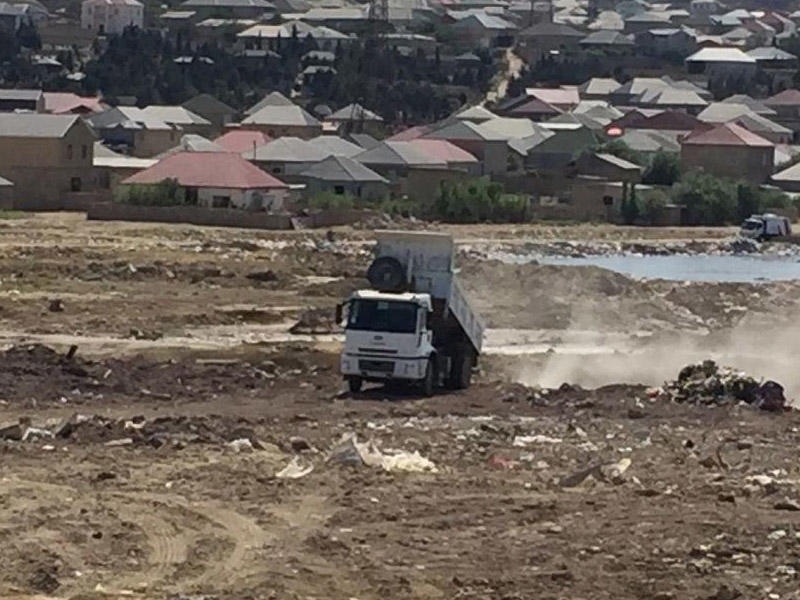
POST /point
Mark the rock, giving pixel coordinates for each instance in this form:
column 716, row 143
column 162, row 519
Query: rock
column 105, row 476
column 44, row 581
column 726, row 497
column 265, row 276
column 299, row 444
column 787, row 504
column 744, row 444
column 577, row 478
column 709, row 462
column 119, row 442
column 12, row 432
column 65, row 427
column 615, row 472
column 725, row 592
column 56, row 305
column 241, row 445
column 636, row 413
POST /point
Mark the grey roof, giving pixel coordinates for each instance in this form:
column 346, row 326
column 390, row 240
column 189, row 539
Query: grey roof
column 504, row 128
column 230, row 4
column 461, row 130
column 790, row 174
column 643, row 140
column 193, row 143
column 287, row 149
column 281, row 115
column 476, row 114
column 523, row 145
column 364, row 140
column 648, row 17
column 342, row 169
column 336, row 146
column 722, row 112
column 606, row 38
column 206, row 103
column 176, row 115
column 5, row 182
column 24, row 95
column 726, row 55
column 550, row 29
column 770, row 53
column 128, row 117
column 756, row 106
column 598, row 86
column 486, row 21
column 618, row 162
column 569, row 141
column 354, row 112
column 35, row 125
column 758, row 124
column 597, row 110
column 271, row 99
column 402, row 154
column 580, row 119
column 669, row 96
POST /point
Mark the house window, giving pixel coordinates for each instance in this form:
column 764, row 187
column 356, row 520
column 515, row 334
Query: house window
column 75, row 184
column 69, row 152
column 276, row 170
column 339, row 190
column 220, row 202
column 84, row 151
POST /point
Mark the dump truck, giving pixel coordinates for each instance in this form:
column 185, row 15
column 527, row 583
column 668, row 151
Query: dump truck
column 768, row 225
column 415, row 324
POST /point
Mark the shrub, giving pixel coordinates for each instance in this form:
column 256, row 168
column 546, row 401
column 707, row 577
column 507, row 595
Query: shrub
column 664, row 169
column 166, row 193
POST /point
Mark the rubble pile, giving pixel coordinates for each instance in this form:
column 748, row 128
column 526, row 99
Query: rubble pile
column 710, row 384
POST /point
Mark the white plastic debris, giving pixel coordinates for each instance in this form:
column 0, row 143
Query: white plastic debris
column 294, row 470
column 521, row 441
column 350, row 451
column 241, row 445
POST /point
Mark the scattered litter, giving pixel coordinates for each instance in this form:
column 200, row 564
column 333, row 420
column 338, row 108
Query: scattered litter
column 36, row 433
column 521, row 441
column 241, row 445
column 294, row 470
column 350, row 452
column 119, row 442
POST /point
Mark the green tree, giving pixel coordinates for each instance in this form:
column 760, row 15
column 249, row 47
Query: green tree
column 709, row 200
column 664, row 169
column 621, row 150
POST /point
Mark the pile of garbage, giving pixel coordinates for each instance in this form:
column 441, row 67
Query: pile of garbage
column 707, row 383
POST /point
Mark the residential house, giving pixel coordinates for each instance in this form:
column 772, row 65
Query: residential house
column 217, row 180
column 786, row 105
column 453, row 156
column 212, row 110
column 67, row 103
column 556, row 151
column 286, row 157
column 14, row 16
column 180, row 118
column 111, row 17
column 722, row 112
column 334, row 145
column 669, row 98
column 533, row 109
column 22, row 101
column 763, row 127
column 547, row 39
column 394, row 160
column 645, row 21
column 667, row 42
column 598, row 88
column 111, row 168
column 676, row 124
column 341, row 175
column 347, row 19
column 277, row 120
column 474, row 114
column 487, row 143
column 46, row 156
column 240, row 141
column 649, row 142
column 729, row 150
column 721, row 62
column 142, row 135
column 756, row 106
column 770, row 57
column 365, row 140
column 482, row 30
column 608, row 41
column 264, row 38
column 608, row 166
column 272, row 99
column 564, row 98
column 788, row 179
column 355, row 117
column 6, row 194
column 229, row 9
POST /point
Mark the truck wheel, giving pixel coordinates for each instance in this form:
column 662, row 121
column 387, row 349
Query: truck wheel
column 461, row 373
column 354, row 384
column 429, row 383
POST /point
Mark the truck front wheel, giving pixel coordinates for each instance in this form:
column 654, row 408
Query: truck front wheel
column 354, row 384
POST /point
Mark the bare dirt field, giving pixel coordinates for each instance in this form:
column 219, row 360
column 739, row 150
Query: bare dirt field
column 198, row 444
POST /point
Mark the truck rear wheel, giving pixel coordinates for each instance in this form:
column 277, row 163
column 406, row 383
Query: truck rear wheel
column 461, row 370
column 429, row 383
column 354, row 384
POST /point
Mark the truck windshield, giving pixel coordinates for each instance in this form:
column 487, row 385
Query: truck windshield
column 751, row 224
column 383, row 315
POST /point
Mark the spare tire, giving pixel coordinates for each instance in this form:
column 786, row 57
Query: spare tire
column 386, row 274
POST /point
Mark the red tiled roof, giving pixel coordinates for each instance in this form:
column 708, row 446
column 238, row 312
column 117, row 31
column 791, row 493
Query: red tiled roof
column 224, row 170
column 727, row 134
column 65, row 103
column 784, row 98
column 412, row 133
column 443, row 151
column 670, row 120
column 242, row 140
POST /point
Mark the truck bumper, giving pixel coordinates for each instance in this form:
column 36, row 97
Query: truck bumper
column 370, row 368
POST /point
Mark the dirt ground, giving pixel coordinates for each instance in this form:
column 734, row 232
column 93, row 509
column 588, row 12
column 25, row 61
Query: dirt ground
column 154, row 462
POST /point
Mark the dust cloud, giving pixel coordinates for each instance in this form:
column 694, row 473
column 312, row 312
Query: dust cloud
column 762, row 353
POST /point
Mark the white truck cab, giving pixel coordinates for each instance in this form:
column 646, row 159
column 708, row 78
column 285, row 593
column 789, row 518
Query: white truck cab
column 768, row 225
column 416, row 325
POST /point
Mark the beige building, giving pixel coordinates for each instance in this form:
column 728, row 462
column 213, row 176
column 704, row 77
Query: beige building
column 111, row 16
column 46, row 157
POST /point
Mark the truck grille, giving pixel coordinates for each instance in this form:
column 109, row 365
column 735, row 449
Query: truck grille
column 379, row 366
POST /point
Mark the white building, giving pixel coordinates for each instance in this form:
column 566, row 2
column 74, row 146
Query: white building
column 111, row 16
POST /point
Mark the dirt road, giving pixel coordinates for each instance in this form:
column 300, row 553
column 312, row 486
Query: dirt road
column 151, row 465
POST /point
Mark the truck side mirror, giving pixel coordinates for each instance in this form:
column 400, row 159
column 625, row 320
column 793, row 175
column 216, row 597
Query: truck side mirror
column 339, row 313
